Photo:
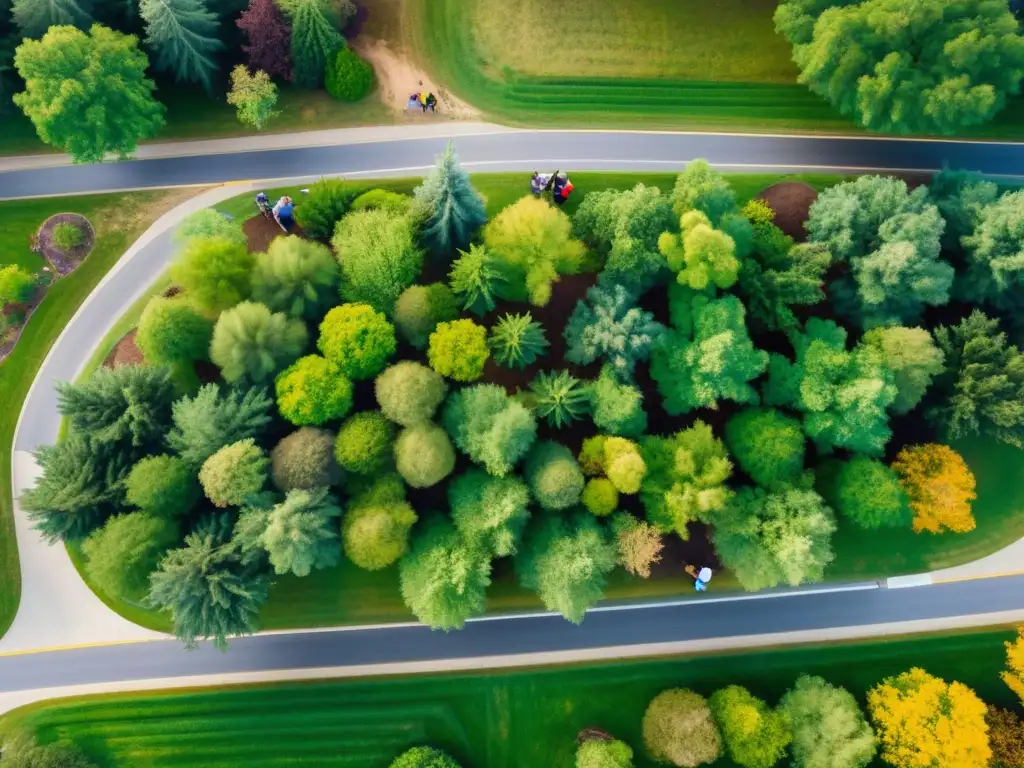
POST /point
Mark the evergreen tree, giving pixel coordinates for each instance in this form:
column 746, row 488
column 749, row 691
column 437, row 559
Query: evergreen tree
column 35, row 17
column 209, row 420
column 302, row 532
column 315, row 41
column 453, row 209
column 269, row 38
column 183, row 36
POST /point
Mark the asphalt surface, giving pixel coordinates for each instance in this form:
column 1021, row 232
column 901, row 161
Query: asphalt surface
column 567, row 149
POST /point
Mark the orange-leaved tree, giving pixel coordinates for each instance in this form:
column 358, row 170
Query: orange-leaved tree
column 939, row 485
column 922, row 721
column 1014, row 674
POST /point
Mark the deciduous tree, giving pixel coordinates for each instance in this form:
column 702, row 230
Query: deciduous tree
column 253, row 96
column 234, row 474
column 164, row 486
column 911, row 354
column 305, row 460
column 865, row 491
column 639, row 544
column 424, row 757
column 1013, row 676
column 702, row 189
column 376, row 533
column 491, row 510
column 409, row 393
column 357, row 339
column 184, row 37
column 269, row 38
column 960, row 197
column 994, row 245
column 555, row 479
column 768, row 445
column 939, row 485
column 215, row 273
column 1006, row 737
column 598, row 753
column 829, row 729
column 323, row 207
column 378, row 256
column 121, row 555
column 424, row 455
column 617, row 408
column 16, row 284
column 459, row 350
column 250, row 343
column 679, row 730
column 755, row 735
column 420, row 308
column 365, row 442
column 173, row 332
column 702, row 257
column 312, row 391
column 451, row 207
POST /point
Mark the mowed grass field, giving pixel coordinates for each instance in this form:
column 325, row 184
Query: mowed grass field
column 522, row 719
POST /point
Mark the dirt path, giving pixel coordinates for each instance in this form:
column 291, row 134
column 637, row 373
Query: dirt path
column 398, row 77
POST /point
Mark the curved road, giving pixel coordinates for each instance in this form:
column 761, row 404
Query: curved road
column 847, row 610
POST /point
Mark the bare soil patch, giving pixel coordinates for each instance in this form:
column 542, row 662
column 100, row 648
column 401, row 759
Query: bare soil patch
column 63, row 262
column 791, row 201
column 125, row 352
column 262, row 230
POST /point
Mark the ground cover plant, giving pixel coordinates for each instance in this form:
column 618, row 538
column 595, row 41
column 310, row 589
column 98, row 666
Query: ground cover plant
column 837, row 706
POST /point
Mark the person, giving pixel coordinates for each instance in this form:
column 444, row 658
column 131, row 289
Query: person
column 263, row 203
column 423, row 100
column 414, row 101
column 557, row 187
column 432, row 102
column 535, row 184
column 284, row 213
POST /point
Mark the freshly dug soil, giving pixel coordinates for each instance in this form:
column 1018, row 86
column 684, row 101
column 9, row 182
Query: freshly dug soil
column 62, row 261
column 262, row 230
column 125, row 352
column 791, row 201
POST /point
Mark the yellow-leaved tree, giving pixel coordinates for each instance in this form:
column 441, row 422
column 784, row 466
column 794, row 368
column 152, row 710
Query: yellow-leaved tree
column 939, row 485
column 922, row 722
column 1014, row 674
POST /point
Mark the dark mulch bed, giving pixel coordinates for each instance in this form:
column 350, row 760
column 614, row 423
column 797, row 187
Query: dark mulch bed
column 125, row 352
column 791, row 201
column 63, row 262
column 262, row 230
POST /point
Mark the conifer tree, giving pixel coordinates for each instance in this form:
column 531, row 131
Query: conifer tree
column 454, row 209
column 34, row 17
column 183, row 36
column 269, row 39
column 315, row 41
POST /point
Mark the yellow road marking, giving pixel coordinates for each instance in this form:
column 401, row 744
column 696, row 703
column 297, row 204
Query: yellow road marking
column 976, row 577
column 79, row 646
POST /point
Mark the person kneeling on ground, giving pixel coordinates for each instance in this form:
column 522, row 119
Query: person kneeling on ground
column 432, row 102
column 284, row 213
column 536, row 185
column 561, row 188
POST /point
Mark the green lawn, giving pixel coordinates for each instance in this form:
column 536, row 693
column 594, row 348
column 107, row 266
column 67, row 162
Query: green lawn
column 522, row 719
column 119, row 219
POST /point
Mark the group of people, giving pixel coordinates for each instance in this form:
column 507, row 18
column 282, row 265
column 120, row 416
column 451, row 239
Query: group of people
column 283, row 212
column 556, row 183
column 423, row 100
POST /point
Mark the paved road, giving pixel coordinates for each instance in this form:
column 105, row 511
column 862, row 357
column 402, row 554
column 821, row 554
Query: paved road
column 525, row 150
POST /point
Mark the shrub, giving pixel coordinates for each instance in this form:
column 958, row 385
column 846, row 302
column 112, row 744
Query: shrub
column 364, row 443
column 678, row 729
column 67, row 236
column 348, row 77
column 312, row 391
column 164, row 486
column 252, row 343
column 755, row 735
column 532, row 240
column 208, row 223
column 554, row 476
column 865, row 491
column 558, row 398
column 758, row 211
column 16, row 285
column 171, row 331
column 703, row 257
column 597, row 753
column 829, row 730
column 459, row 350
column 253, row 96
column 490, row 427
column 478, row 280
column 208, row 421
column 409, row 393
column 939, row 485
column 357, row 339
column 609, row 326
column 121, row 555
column 424, row 455
column 451, row 208
column 617, row 408
column 424, row 757
column 492, row 510
column 234, row 474
column 623, row 464
column 216, row 273
column 639, row 544
column 377, row 535
column 378, row 257
column 382, row 200
column 297, row 277
column 768, row 445
column 600, row 496
column 420, row 308
column 323, row 207
column 517, row 340
column 305, row 460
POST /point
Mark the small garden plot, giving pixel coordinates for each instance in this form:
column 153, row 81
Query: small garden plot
column 462, row 401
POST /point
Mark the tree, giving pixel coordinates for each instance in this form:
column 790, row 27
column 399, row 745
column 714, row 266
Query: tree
column 698, row 188
column 617, row 408
column 710, row 359
column 639, row 544
column 302, row 532
column 1014, row 674
column 209, row 420
column 121, row 555
column 234, row 474
column 701, row 257
column 445, row 576
column 87, row 94
column 923, row 721
column 377, row 535
column 623, row 227
column 269, row 37
column 459, row 350
column 315, row 41
column 685, row 480
column 558, row 398
column 34, row 19
column 770, row 538
column 554, row 476
column 22, row 751
column 517, row 341
column 378, row 257
column 409, row 393
column 206, row 588
column 600, row 496
column 960, row 197
column 1005, row 737
column 779, row 275
column 451, row 207
column 214, row 272
column 172, row 332
column 932, row 68
column 312, row 391
column 325, row 205
column 16, row 285
column 994, row 275
column 843, row 394
column 184, row 37
column 755, row 735
column 490, row 427
column 982, row 389
column 679, row 730
column 609, row 326
column 253, row 97
column 251, row 343
column 424, row 757
column 491, row 510
column 598, row 753
column 566, row 561
column 424, row 455
column 864, row 491
column 829, row 729
column 768, row 445
column 532, row 241
column 911, row 354
column 617, row 458
column 304, row 460
column 364, row 443
column 939, row 485
column 420, row 308
column 478, row 280
column 163, row 486
column 357, row 339
column 348, row 77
